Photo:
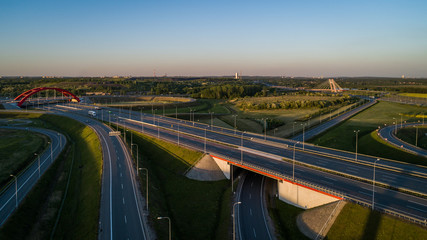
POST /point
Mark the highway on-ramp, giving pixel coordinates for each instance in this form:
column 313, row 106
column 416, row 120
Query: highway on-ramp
column 30, row 175
column 121, row 213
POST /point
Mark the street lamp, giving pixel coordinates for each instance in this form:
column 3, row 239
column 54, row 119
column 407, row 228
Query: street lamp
column 16, row 190
column 146, row 175
column 205, row 139
column 303, row 135
column 169, row 220
column 373, row 186
column 234, row 222
column 357, row 132
column 38, row 156
column 235, row 116
column 293, row 164
column 178, row 134
column 241, row 148
column 137, row 157
column 211, row 119
column 142, row 121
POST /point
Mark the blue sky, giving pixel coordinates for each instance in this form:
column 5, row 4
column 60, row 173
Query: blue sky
column 181, row 38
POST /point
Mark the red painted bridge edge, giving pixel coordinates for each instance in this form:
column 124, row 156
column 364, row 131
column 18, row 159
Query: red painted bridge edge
column 275, row 177
column 23, row 96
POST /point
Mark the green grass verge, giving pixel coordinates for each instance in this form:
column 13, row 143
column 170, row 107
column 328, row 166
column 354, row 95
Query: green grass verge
column 284, row 217
column 357, row 222
column 17, row 148
column 196, row 208
column 80, row 214
column 408, row 135
column 343, row 136
column 1, row 106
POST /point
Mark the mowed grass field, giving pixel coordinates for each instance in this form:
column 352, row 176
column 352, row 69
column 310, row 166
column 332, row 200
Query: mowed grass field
column 17, row 148
column 343, row 136
column 358, row 222
column 198, row 210
column 77, row 171
column 418, row 95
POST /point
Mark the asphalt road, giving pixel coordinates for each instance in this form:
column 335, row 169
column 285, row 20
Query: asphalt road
column 388, row 134
column 121, row 214
column 267, row 155
column 331, row 123
column 29, row 177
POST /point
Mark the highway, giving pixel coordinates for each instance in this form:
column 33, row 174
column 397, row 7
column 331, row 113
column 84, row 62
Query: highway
column 388, row 134
column 29, row 176
column 121, row 213
column 267, row 156
column 310, row 133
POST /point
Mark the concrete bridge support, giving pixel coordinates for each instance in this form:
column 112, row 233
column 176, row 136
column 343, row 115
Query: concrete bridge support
column 303, row 196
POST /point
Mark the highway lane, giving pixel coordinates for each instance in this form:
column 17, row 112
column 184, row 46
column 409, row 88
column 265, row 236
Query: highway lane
column 29, row 177
column 308, row 134
column 121, row 213
column 385, row 198
column 388, row 134
column 252, row 223
column 351, row 188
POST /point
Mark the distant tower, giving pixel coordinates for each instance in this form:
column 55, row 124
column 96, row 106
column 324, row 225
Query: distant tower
column 403, row 76
column 236, row 76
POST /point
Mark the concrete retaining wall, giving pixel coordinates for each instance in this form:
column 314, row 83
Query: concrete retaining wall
column 223, row 165
column 302, row 196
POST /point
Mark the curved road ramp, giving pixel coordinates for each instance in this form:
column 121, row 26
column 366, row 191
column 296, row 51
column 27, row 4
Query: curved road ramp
column 15, row 191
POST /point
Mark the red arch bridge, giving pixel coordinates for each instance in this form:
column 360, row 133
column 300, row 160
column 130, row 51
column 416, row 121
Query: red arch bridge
column 23, row 96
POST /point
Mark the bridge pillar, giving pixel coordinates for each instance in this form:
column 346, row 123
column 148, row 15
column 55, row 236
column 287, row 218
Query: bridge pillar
column 223, row 165
column 302, row 196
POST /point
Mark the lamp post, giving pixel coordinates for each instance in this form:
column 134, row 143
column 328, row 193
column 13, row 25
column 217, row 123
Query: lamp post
column 303, row 135
column 38, row 157
column 146, row 181
column 16, row 190
column 211, row 119
column 293, row 164
column 241, row 149
column 357, row 132
column 416, row 136
column 235, row 128
column 373, row 186
column 234, row 222
column 178, row 134
column 265, row 129
column 51, row 152
column 169, row 221
column 137, row 157
column 205, row 139
column 142, row 122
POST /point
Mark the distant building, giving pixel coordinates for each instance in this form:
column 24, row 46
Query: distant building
column 236, row 76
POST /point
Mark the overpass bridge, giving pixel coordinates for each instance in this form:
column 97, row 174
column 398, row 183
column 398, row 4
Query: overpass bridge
column 330, row 172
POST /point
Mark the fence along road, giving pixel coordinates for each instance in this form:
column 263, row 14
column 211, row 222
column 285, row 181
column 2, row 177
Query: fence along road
column 28, row 177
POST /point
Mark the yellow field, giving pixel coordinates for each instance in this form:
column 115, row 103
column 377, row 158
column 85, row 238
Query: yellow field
column 417, row 95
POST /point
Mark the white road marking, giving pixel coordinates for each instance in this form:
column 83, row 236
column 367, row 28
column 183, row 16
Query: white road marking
column 122, row 185
column 252, row 183
column 126, row 220
column 123, row 201
column 120, row 165
column 326, row 182
column 416, row 208
column 331, row 179
column 250, row 196
column 352, row 171
column 417, row 203
column 369, row 194
column 121, row 175
column 254, row 232
column 250, row 211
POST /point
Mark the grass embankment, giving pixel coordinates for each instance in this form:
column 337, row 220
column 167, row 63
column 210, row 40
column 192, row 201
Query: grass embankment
column 17, row 148
column 357, row 222
column 284, row 217
column 418, row 95
column 38, row 212
column 408, row 135
column 1, row 106
column 343, row 136
column 198, row 210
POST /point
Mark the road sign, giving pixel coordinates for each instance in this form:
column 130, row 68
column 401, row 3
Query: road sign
column 114, row 133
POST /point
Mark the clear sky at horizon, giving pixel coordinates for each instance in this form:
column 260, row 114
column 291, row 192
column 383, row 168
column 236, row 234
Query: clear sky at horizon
column 183, row 38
